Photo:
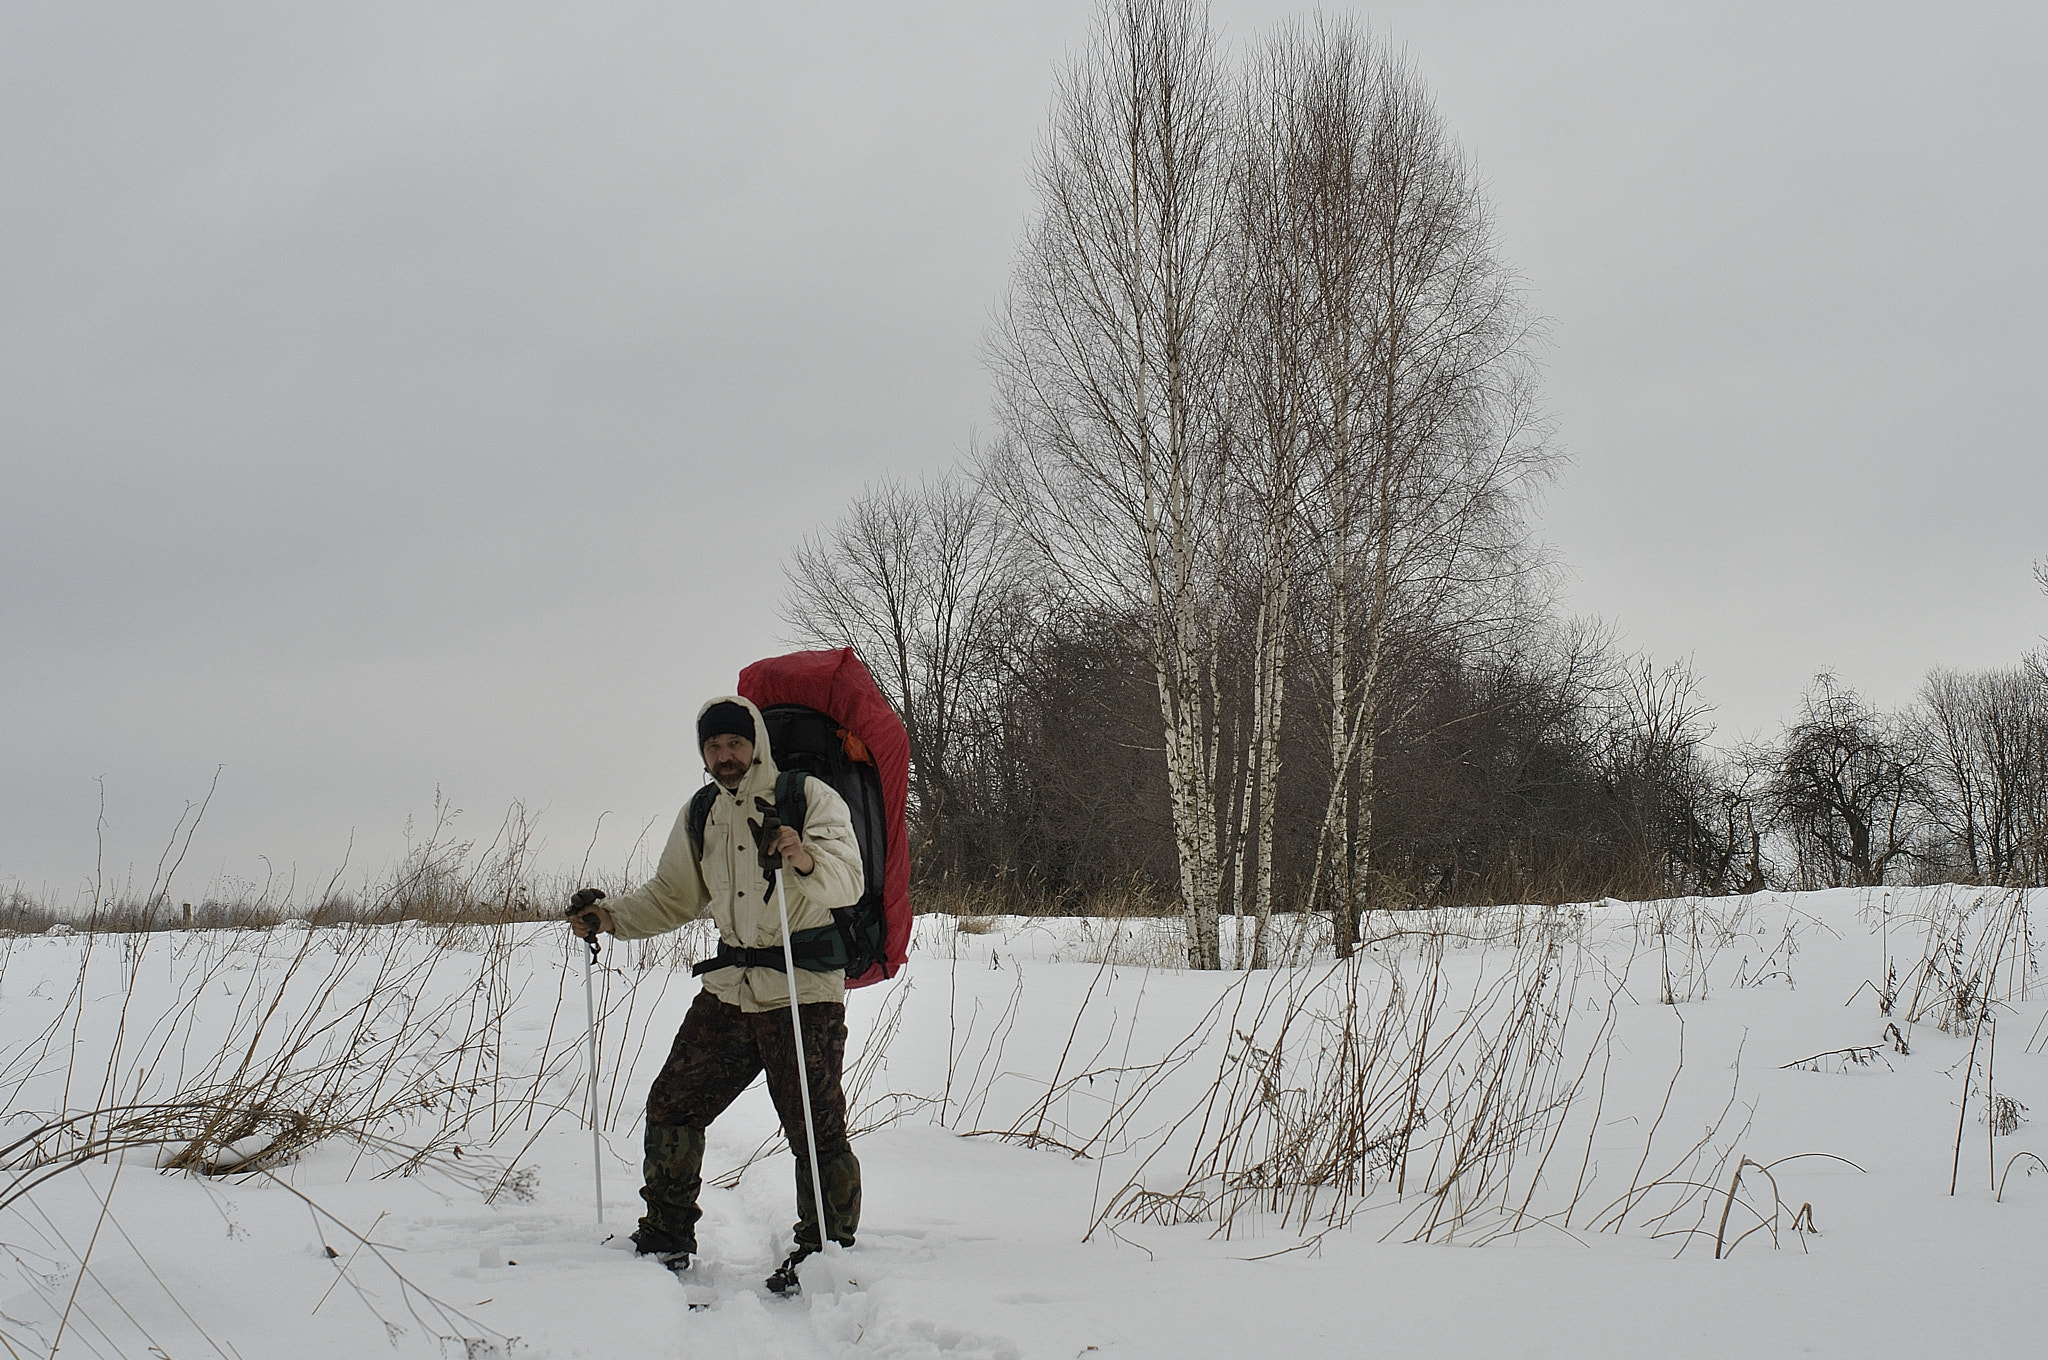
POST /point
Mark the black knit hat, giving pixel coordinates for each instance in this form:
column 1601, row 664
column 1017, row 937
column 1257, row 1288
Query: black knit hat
column 726, row 719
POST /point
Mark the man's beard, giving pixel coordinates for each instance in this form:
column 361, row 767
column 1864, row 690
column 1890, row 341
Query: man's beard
column 728, row 771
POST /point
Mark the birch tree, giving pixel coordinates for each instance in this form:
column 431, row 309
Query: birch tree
column 1283, row 166
column 1426, row 440
column 1109, row 360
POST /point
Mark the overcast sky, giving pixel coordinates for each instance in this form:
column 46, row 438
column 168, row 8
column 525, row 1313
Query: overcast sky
column 400, row 397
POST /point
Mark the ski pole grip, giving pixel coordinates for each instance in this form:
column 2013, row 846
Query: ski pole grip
column 579, row 909
column 765, row 831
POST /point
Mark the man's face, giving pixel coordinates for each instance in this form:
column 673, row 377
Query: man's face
column 727, row 757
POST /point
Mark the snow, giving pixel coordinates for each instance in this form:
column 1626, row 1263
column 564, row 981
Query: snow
column 1017, row 1081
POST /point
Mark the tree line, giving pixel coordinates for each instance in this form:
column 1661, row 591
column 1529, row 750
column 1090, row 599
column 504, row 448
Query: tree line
column 1241, row 608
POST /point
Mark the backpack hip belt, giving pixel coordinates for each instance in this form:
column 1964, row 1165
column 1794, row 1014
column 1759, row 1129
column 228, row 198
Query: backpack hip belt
column 822, row 949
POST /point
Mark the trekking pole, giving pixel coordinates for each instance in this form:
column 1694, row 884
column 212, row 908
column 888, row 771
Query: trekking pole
column 579, row 906
column 590, row 1035
column 803, row 1077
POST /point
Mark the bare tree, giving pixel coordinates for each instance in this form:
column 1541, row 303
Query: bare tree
column 1267, row 400
column 1424, row 440
column 1986, row 737
column 915, row 580
column 1692, row 819
column 1848, row 789
column 1109, row 361
column 1284, row 154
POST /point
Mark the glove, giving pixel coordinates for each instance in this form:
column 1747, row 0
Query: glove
column 581, row 912
column 765, row 831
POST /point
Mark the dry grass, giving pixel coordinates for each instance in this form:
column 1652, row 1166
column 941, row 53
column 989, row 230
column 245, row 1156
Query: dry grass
column 1442, row 1082
column 442, row 877
column 1437, row 1079
column 1340, row 1084
column 389, row 1041
column 1336, row 1086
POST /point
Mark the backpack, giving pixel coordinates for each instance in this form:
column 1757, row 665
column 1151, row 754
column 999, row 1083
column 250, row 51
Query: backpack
column 827, row 720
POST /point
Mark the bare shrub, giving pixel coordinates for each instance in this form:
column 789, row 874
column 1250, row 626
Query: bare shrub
column 1376, row 1078
column 1979, row 946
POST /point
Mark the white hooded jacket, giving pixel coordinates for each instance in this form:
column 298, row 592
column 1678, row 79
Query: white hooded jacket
column 729, row 884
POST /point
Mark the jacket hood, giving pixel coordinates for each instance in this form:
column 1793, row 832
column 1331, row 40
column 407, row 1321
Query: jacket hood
column 764, row 758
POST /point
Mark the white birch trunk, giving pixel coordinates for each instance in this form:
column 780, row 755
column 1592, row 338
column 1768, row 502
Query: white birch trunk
column 1271, row 711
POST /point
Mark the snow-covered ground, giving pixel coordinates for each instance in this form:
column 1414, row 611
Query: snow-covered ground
column 1494, row 1134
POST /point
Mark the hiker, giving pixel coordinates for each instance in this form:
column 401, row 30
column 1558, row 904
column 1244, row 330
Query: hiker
column 739, row 1025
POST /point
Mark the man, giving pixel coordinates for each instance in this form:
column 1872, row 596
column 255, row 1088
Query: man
column 739, row 1025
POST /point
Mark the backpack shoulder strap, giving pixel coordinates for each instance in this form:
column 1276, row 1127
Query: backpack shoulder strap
column 792, row 800
column 700, row 813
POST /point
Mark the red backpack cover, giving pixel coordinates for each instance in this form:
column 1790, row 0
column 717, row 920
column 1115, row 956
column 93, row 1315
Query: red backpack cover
column 836, row 684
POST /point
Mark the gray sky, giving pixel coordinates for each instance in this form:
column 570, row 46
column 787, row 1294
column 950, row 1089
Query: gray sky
column 396, row 397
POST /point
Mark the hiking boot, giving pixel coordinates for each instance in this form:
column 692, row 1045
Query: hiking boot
column 676, row 1261
column 648, row 1241
column 784, row 1280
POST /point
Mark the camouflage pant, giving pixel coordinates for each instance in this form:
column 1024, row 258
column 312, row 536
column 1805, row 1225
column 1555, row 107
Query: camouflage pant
column 717, row 1054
